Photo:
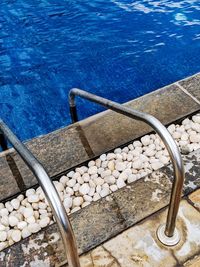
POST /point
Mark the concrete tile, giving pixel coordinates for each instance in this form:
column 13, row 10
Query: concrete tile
column 107, row 130
column 195, row 262
column 189, row 224
column 195, row 198
column 192, row 85
column 8, row 184
column 143, row 197
column 57, row 151
column 102, row 258
column 138, row 246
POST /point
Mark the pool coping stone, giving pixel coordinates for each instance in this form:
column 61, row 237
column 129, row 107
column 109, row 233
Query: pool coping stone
column 72, row 145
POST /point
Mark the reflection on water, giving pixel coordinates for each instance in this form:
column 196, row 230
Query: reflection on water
column 117, row 49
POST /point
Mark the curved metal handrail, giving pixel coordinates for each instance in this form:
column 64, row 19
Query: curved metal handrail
column 169, row 229
column 50, row 192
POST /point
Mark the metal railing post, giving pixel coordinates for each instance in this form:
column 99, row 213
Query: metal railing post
column 167, row 233
column 50, row 192
column 3, row 142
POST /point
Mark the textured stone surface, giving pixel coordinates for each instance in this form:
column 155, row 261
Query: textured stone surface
column 8, row 184
column 107, row 218
column 192, row 171
column 193, row 262
column 111, row 215
column 195, row 198
column 57, row 151
column 139, row 246
column 112, row 129
column 192, row 85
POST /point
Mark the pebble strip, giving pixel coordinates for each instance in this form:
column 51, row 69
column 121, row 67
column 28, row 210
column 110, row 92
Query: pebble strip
column 29, row 213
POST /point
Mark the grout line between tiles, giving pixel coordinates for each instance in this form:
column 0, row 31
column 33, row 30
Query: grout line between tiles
column 187, row 93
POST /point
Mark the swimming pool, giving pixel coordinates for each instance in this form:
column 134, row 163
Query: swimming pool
column 119, row 49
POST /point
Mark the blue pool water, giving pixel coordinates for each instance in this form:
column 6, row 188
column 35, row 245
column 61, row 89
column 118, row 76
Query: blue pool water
column 119, row 49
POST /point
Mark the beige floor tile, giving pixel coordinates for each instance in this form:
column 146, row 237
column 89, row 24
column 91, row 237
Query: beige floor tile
column 195, row 198
column 139, row 246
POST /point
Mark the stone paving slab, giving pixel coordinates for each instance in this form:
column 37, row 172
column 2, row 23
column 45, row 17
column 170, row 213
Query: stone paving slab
column 139, row 246
column 93, row 224
column 105, row 218
column 195, row 262
column 57, row 151
column 112, row 129
column 195, row 199
column 192, row 85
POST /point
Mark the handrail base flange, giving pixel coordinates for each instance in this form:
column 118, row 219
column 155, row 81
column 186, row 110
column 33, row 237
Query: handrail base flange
column 165, row 240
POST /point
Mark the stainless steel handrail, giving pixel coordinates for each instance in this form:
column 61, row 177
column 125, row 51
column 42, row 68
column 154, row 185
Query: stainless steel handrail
column 50, row 192
column 168, row 236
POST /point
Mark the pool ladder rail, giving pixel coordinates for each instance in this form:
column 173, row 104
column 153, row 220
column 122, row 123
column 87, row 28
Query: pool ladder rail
column 49, row 190
column 167, row 233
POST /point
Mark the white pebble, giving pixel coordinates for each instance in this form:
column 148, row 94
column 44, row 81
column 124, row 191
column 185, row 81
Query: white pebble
column 4, row 220
column 131, row 178
column 76, row 187
column 71, row 182
column 13, row 221
column 120, row 166
column 195, row 138
column 3, row 236
column 21, row 225
column 106, row 173
column 64, row 179
column 104, row 192
column 92, row 170
column 69, row 191
column 110, row 179
column 59, row 186
column 99, row 181
column 120, row 183
column 34, row 227
column 116, row 173
column 77, row 201
column 111, row 156
column 196, row 118
column 85, row 204
column 44, row 222
column 28, row 212
column 86, row 177
column 16, row 235
column 96, row 197
column 145, row 140
column 75, row 209
column 30, row 220
column 30, row 192
column 70, row 174
column 113, row 188
column 8, row 206
column 163, row 159
column 25, row 232
column 33, row 198
column 111, row 165
column 157, row 165
column 4, row 212
column 92, row 191
column 103, row 157
column 67, row 202
column 137, row 164
column 84, row 189
column 15, row 203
